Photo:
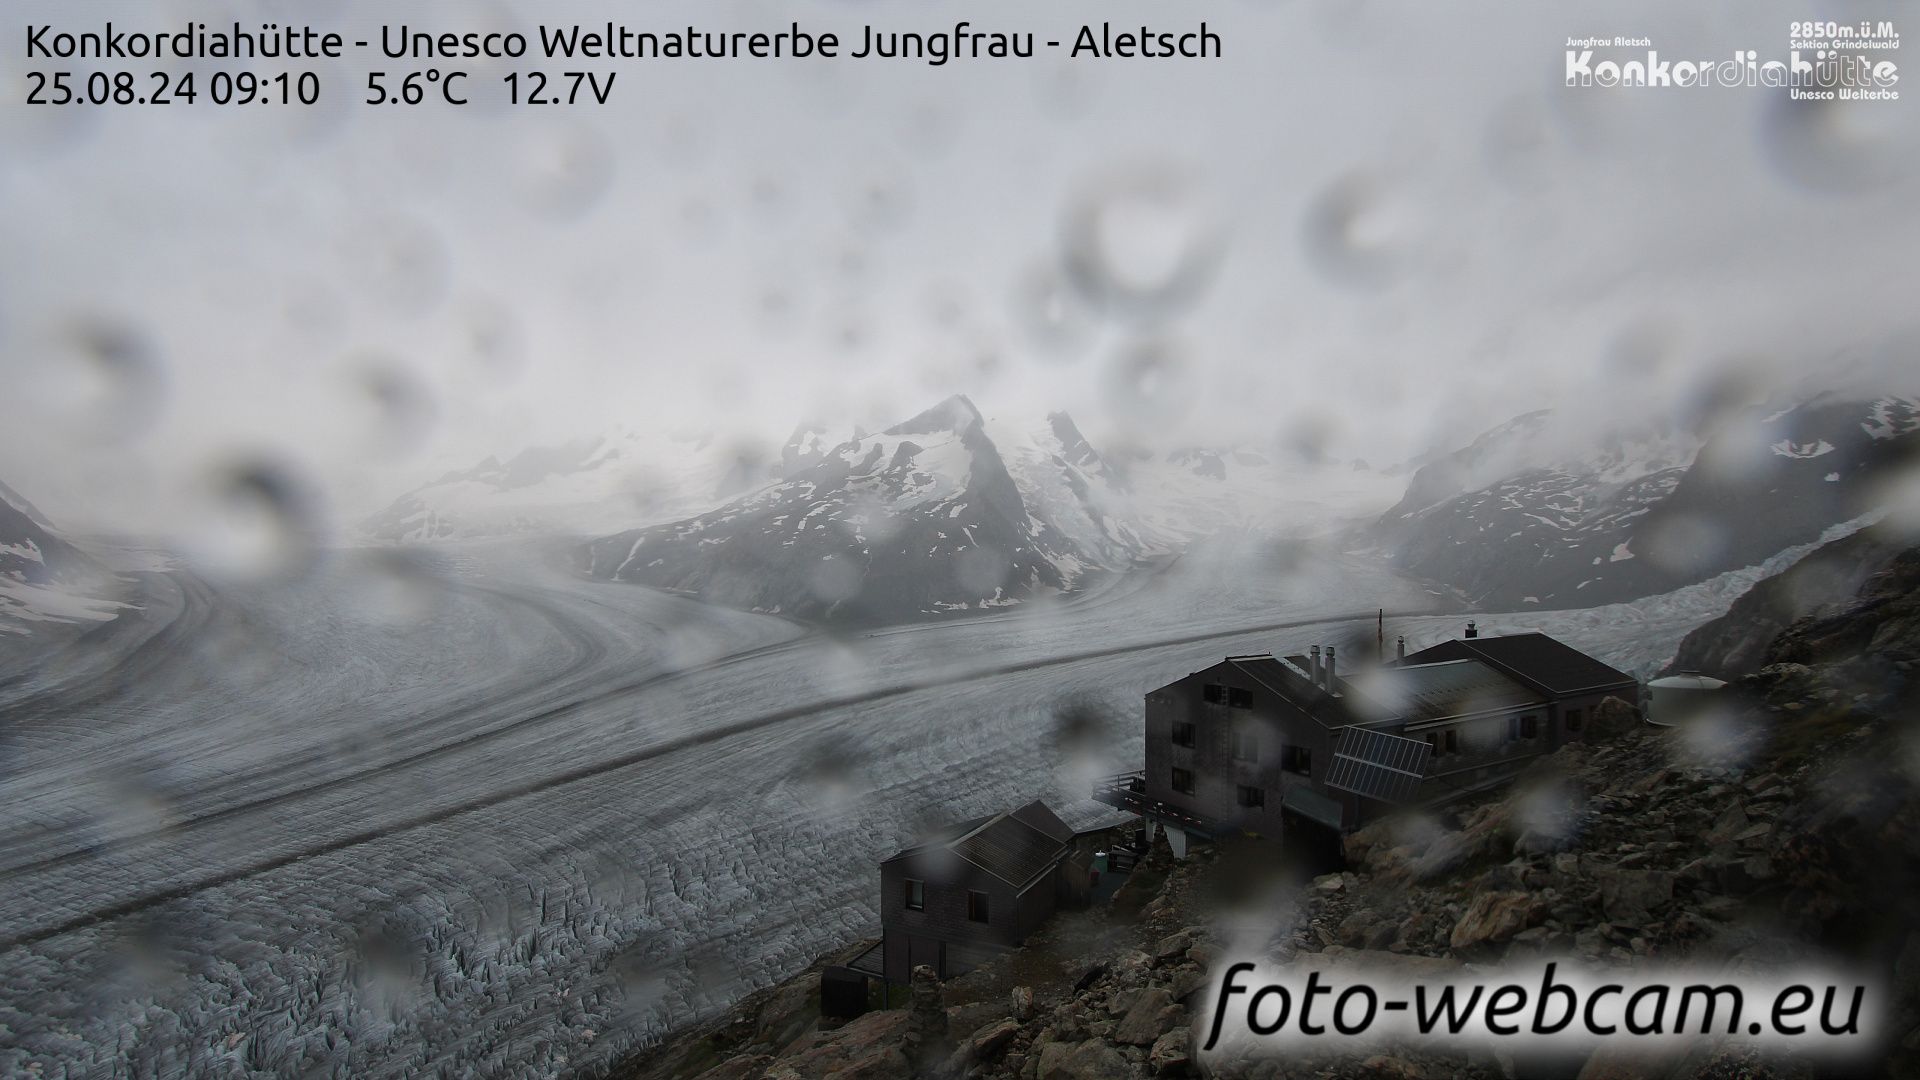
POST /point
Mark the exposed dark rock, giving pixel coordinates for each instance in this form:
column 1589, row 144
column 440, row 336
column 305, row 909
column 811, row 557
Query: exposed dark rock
column 1826, row 580
column 1640, row 514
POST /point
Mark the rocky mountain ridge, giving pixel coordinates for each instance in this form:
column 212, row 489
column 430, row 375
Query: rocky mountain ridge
column 926, row 518
column 44, row 577
column 1528, row 516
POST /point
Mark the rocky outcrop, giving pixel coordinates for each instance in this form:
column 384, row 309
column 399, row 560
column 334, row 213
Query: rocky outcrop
column 1821, row 584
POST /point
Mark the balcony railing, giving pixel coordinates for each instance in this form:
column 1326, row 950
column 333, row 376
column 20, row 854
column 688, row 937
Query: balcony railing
column 1128, row 791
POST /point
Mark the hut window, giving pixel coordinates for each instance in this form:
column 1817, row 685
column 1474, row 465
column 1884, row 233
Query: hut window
column 1238, row 698
column 1183, row 781
column 976, row 906
column 916, row 895
column 1183, row 734
column 1573, row 719
column 1214, row 694
column 1297, row 759
column 1252, row 797
column 1529, row 727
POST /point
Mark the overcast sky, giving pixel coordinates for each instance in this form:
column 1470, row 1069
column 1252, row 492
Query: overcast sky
column 1398, row 228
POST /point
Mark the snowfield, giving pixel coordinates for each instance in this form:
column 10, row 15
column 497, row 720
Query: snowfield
column 462, row 813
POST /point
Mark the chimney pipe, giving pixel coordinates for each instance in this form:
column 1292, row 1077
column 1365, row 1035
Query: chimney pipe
column 1403, row 647
column 1313, row 665
column 1473, row 630
column 1330, row 669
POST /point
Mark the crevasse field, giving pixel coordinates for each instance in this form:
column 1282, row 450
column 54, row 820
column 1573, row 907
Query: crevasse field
column 463, row 811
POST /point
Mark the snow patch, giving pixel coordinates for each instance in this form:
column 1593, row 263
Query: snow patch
column 1790, row 449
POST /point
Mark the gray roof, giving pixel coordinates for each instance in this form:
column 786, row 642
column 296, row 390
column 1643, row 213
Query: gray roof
column 1015, row 847
column 1544, row 663
column 1287, row 677
column 1413, row 692
column 1037, row 815
column 1442, row 691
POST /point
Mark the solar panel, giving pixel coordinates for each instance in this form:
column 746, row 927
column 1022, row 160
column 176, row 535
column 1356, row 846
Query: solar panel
column 1377, row 765
column 1010, row 850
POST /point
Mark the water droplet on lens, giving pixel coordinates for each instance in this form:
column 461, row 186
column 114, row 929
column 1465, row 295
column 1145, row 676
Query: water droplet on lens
column 831, row 771
column 398, row 586
column 401, row 264
column 399, row 407
column 882, row 201
column 564, row 175
column 104, row 377
column 253, row 521
column 1141, row 244
column 494, row 337
column 1147, row 382
column 1052, row 312
column 1357, row 234
column 1835, row 147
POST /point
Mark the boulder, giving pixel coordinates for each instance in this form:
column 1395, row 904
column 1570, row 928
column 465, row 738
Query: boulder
column 1088, row 1060
column 1172, row 1053
column 1184, row 980
column 1494, row 917
column 1147, row 1018
column 971, row 1017
column 1174, row 946
column 1633, row 896
column 989, row 1042
column 1353, row 930
column 1487, row 838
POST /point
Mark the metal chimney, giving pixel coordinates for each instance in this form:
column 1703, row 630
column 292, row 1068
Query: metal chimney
column 1473, row 630
column 1330, row 669
column 1313, row 665
column 1403, row 647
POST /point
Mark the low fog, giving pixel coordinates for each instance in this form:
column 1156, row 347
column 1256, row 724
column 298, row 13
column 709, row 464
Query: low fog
column 1367, row 232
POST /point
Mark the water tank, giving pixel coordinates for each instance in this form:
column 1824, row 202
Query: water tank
column 1678, row 698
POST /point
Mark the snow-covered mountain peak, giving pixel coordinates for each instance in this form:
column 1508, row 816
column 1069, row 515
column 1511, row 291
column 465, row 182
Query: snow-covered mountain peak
column 948, row 510
column 956, row 414
column 1595, row 452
